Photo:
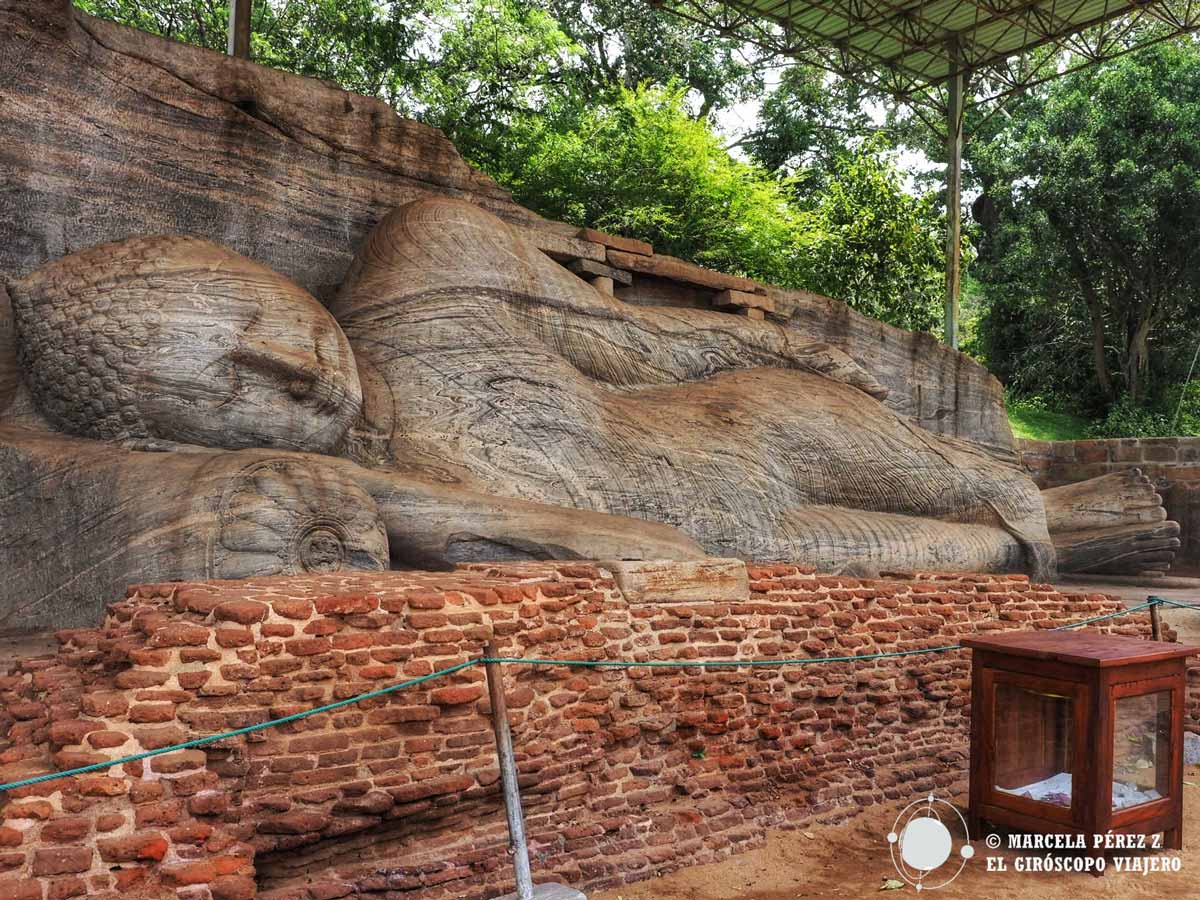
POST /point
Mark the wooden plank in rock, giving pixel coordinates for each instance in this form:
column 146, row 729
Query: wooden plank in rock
column 629, row 245
column 589, row 268
column 743, row 300
column 679, row 270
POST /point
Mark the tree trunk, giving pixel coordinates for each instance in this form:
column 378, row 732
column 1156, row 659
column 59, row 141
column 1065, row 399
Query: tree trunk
column 1138, row 359
column 1099, row 359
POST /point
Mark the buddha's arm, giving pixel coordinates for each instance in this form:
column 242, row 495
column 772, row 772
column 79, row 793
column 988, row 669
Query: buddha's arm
column 439, row 525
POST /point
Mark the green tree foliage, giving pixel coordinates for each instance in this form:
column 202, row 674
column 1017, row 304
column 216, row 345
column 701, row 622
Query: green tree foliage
column 599, row 112
column 638, row 164
column 1092, row 248
column 362, row 45
column 876, row 245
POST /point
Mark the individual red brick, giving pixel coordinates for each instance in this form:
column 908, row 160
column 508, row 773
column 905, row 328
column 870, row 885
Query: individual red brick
column 19, row 888
column 64, row 888
column 198, row 654
column 133, row 679
column 433, row 787
column 191, row 681
column 149, row 845
column 146, row 791
column 318, row 743
column 208, row 803
column 351, row 641
column 71, row 731
column 151, row 712
column 104, row 704
column 106, row 740
column 64, row 830
column 202, row 871
column 10, row 837
column 394, row 715
column 162, row 812
column 178, row 761
column 457, row 695
column 234, row 637
column 106, row 822
column 244, row 612
column 377, row 672
column 425, row 600
column 61, row 860
column 308, row 646
column 191, row 833
column 102, row 786
column 31, row 809
column 426, row 620
column 277, row 629
column 346, row 604
column 293, row 609
column 198, row 600
column 179, row 634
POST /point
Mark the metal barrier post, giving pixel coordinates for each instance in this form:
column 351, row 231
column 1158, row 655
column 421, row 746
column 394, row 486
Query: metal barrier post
column 508, row 775
column 1155, row 622
column 526, row 889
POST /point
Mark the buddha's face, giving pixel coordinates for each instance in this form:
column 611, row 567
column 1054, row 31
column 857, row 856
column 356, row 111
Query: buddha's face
column 176, row 339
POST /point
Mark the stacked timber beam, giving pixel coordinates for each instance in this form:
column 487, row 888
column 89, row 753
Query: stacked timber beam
column 625, row 258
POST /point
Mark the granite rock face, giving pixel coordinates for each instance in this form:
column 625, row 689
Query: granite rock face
column 293, row 173
column 198, row 379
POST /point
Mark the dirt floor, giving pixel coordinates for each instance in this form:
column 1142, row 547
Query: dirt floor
column 852, row 860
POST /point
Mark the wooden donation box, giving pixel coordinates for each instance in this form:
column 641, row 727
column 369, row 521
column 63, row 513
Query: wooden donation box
column 1078, row 732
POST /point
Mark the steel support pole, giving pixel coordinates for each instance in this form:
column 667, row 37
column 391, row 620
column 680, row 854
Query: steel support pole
column 508, row 775
column 239, row 28
column 1155, row 624
column 954, row 144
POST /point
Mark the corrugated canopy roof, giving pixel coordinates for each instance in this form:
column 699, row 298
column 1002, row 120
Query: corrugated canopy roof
column 902, row 47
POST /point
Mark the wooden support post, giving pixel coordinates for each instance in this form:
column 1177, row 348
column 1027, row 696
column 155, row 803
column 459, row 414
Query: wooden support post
column 239, row 28
column 1155, row 622
column 508, row 775
column 954, row 143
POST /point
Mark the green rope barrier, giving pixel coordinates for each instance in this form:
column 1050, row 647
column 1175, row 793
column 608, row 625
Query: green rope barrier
column 517, row 660
column 1153, row 601
column 213, row 738
column 710, row 663
column 1164, row 602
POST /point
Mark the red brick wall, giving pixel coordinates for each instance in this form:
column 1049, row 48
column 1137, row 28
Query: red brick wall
column 625, row 773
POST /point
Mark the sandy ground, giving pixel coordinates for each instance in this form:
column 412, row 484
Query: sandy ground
column 1185, row 622
column 852, row 860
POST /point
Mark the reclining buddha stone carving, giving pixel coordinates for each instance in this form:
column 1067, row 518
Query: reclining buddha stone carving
column 183, row 412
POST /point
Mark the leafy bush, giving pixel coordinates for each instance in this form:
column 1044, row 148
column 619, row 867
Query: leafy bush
column 1127, row 418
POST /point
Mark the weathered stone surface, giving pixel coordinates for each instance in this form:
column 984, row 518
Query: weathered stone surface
column 940, row 389
column 498, row 364
column 223, row 147
column 185, row 411
column 669, row 581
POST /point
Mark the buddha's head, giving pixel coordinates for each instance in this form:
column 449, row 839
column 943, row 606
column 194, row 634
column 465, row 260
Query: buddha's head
column 182, row 340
